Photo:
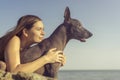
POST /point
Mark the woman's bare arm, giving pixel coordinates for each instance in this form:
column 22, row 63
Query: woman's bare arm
column 12, row 58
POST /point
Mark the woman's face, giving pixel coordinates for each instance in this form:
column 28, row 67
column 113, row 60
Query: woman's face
column 36, row 33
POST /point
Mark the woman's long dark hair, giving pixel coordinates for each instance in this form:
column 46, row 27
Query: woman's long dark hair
column 26, row 21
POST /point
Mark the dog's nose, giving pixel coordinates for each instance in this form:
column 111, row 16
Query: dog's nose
column 90, row 34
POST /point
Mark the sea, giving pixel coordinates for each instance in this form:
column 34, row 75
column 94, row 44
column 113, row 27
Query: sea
column 89, row 75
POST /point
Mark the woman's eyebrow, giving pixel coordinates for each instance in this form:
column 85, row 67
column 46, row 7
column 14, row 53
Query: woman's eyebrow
column 39, row 28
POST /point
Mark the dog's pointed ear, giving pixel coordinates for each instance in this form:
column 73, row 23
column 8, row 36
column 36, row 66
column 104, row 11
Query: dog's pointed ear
column 67, row 14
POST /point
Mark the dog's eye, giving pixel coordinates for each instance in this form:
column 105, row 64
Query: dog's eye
column 79, row 24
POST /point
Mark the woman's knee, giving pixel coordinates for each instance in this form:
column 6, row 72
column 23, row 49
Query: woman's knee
column 2, row 65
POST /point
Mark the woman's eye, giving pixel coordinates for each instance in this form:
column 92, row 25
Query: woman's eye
column 38, row 28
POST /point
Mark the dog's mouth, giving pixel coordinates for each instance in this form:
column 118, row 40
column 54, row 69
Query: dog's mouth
column 83, row 40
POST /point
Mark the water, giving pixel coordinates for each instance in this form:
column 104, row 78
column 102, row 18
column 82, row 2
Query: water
column 89, row 75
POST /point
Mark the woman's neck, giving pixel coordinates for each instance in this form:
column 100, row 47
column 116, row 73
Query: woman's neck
column 24, row 44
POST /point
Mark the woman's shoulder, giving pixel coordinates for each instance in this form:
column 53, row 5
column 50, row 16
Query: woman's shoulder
column 14, row 40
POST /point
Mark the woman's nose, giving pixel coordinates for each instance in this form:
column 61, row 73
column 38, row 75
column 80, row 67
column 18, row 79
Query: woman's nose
column 43, row 33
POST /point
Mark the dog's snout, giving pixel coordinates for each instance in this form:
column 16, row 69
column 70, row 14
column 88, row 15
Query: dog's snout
column 87, row 33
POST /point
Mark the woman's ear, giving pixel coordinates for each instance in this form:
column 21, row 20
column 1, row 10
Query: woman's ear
column 25, row 32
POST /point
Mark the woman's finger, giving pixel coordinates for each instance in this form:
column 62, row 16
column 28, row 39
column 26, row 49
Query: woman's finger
column 59, row 52
column 53, row 49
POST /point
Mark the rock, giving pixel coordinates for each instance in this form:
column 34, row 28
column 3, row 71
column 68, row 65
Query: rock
column 22, row 76
column 5, row 75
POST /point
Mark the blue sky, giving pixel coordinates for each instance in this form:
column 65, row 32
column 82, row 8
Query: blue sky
column 101, row 17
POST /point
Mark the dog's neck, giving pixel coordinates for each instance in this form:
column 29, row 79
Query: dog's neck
column 60, row 37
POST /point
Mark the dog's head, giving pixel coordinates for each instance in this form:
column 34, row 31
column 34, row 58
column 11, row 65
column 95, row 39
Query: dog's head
column 75, row 29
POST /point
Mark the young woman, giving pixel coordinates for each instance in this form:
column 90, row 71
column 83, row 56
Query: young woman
column 29, row 30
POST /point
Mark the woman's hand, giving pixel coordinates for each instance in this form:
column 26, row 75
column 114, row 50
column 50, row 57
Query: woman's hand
column 64, row 60
column 54, row 55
